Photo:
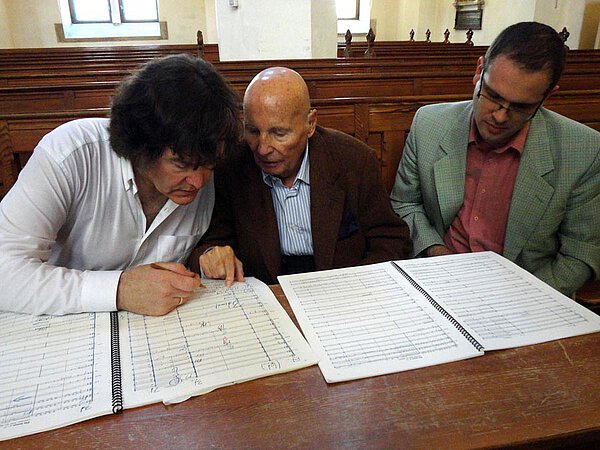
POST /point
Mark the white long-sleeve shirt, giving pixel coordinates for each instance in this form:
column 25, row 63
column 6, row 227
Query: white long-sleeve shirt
column 73, row 222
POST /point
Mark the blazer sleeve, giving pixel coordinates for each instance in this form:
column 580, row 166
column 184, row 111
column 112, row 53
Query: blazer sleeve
column 578, row 257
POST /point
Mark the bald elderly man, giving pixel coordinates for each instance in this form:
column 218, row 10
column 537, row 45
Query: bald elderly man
column 296, row 197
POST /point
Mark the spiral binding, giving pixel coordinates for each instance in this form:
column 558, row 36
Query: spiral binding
column 115, row 363
column 437, row 306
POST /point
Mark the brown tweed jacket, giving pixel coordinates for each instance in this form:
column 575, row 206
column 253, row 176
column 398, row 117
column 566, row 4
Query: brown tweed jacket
column 351, row 217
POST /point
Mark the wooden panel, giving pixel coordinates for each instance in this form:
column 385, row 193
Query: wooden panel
column 8, row 172
column 349, row 88
column 19, row 135
column 21, row 102
column 339, row 117
column 393, row 146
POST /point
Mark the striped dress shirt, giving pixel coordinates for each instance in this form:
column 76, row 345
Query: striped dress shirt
column 292, row 209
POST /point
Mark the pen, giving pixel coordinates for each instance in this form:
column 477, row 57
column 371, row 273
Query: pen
column 159, row 267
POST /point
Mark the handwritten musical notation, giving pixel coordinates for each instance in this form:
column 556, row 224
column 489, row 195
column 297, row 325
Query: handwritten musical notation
column 52, row 367
column 56, row 370
column 221, row 336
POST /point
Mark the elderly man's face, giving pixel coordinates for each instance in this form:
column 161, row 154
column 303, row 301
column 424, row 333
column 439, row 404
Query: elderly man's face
column 277, row 131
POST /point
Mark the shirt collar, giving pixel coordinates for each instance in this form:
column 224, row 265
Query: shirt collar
column 517, row 142
column 302, row 175
column 128, row 175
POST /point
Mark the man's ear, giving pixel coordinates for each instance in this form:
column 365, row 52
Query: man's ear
column 552, row 92
column 312, row 122
column 478, row 70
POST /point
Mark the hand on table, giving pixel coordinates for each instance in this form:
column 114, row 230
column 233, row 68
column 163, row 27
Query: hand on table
column 221, row 263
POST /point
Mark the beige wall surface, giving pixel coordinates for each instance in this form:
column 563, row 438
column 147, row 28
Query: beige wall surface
column 394, row 19
column 562, row 13
column 30, row 23
column 6, row 35
column 590, row 28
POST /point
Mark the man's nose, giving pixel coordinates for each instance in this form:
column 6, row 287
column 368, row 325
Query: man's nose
column 502, row 113
column 264, row 144
column 199, row 177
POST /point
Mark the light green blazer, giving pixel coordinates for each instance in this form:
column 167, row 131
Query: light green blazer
column 553, row 227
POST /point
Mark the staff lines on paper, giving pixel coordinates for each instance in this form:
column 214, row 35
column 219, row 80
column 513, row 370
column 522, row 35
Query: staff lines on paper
column 510, row 307
column 392, row 345
column 188, row 356
column 368, row 318
column 232, row 334
column 37, row 381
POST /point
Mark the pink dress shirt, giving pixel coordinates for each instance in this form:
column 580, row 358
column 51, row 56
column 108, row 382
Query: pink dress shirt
column 489, row 183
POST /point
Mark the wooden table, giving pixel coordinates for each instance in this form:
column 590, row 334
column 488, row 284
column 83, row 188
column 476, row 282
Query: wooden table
column 546, row 395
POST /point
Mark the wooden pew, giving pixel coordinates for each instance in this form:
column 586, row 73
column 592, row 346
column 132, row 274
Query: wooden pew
column 31, row 56
column 20, row 133
column 381, row 122
column 90, row 65
column 50, row 72
column 96, row 94
column 397, row 48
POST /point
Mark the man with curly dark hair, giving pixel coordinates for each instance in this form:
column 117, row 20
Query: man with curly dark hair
column 104, row 206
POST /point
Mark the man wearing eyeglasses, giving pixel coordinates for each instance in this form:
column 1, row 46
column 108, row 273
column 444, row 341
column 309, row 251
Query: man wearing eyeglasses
column 501, row 173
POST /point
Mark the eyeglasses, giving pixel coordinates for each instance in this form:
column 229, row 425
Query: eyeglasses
column 524, row 111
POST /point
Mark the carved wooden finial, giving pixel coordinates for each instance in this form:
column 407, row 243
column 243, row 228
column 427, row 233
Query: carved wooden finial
column 446, row 36
column 348, row 47
column 564, row 35
column 200, row 42
column 412, row 35
column 428, row 35
column 469, row 36
column 370, row 51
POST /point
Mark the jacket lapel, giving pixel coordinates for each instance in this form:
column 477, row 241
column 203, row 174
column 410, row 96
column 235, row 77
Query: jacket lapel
column 261, row 222
column 532, row 193
column 449, row 170
column 327, row 201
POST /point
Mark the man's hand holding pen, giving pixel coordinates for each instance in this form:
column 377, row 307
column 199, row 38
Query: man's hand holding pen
column 156, row 289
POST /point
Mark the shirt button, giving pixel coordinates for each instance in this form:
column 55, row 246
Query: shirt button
column 483, row 191
column 476, row 218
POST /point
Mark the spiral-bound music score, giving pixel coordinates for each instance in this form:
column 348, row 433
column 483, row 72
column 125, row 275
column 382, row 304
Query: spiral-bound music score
column 57, row 370
column 394, row 316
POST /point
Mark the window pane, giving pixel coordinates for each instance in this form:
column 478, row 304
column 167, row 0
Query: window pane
column 347, row 9
column 139, row 10
column 90, row 10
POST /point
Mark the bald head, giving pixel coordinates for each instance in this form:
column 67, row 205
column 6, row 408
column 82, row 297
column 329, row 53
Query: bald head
column 279, row 87
column 278, row 121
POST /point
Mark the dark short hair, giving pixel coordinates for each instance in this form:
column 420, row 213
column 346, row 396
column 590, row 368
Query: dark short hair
column 179, row 102
column 532, row 45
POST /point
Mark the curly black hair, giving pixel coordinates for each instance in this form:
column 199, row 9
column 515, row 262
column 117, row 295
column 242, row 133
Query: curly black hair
column 177, row 102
